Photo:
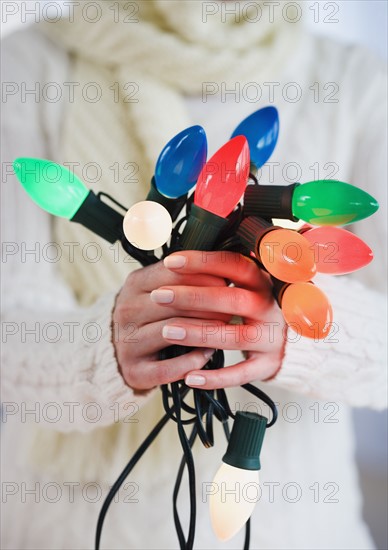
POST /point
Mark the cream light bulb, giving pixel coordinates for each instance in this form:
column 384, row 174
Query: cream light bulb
column 235, row 489
column 234, row 496
column 147, row 225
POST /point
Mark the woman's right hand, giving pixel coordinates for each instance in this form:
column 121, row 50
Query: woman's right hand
column 138, row 324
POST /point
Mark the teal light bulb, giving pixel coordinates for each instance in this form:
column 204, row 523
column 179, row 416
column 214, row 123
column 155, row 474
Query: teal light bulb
column 331, row 202
column 51, row 186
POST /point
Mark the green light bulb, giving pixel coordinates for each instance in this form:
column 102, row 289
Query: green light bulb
column 331, row 202
column 51, row 186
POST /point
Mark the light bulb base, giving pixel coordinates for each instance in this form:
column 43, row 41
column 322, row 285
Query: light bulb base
column 100, row 218
column 253, row 169
column 251, row 230
column 202, row 229
column 278, row 288
column 172, row 205
column 270, row 201
column 246, row 440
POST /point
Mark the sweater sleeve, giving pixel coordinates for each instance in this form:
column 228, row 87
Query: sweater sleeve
column 53, row 351
column 350, row 364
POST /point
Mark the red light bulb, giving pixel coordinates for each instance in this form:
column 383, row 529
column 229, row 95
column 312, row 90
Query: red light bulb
column 224, row 177
column 307, row 310
column 336, row 250
column 220, row 185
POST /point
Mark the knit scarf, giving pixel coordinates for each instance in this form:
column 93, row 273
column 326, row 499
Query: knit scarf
column 132, row 65
column 132, row 69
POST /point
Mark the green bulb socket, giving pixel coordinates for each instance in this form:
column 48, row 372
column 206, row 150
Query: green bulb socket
column 100, row 218
column 270, row 201
column 202, row 229
column 246, row 440
column 173, row 206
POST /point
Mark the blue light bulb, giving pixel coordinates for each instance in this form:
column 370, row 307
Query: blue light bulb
column 180, row 162
column 261, row 129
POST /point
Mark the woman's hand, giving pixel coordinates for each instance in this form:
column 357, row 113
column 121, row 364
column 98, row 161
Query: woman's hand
column 262, row 336
column 185, row 301
column 138, row 322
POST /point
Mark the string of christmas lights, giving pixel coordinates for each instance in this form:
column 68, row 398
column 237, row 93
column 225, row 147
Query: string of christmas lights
column 216, row 219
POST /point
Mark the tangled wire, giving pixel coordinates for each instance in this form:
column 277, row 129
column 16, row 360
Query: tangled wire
column 205, row 404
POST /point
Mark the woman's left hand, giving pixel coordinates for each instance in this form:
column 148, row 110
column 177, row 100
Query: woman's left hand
column 262, row 334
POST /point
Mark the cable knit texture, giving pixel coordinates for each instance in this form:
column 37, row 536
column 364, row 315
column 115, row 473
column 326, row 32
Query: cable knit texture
column 340, row 364
column 152, row 63
column 350, row 368
column 139, row 58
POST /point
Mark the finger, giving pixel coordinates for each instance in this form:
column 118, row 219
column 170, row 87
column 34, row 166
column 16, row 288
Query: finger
column 230, row 265
column 155, row 373
column 216, row 334
column 146, row 311
column 236, row 375
column 156, row 275
column 232, row 300
column 135, row 304
column 162, row 313
column 139, row 342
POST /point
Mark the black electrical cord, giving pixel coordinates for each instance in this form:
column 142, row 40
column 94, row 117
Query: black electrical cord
column 220, row 405
column 124, row 474
column 178, row 525
column 207, row 403
column 188, row 460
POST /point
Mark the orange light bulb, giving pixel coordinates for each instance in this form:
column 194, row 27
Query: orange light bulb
column 287, row 255
column 307, row 310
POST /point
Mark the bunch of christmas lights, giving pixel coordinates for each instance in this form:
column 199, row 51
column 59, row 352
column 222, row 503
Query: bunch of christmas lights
column 214, row 218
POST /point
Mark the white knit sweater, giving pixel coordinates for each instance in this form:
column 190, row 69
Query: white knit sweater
column 67, row 372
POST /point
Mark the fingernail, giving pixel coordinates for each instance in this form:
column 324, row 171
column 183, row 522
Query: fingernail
column 195, row 380
column 173, row 333
column 162, row 296
column 174, row 262
column 208, row 353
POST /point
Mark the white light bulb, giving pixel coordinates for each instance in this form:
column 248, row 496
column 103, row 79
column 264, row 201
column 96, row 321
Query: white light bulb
column 232, row 500
column 147, row 225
